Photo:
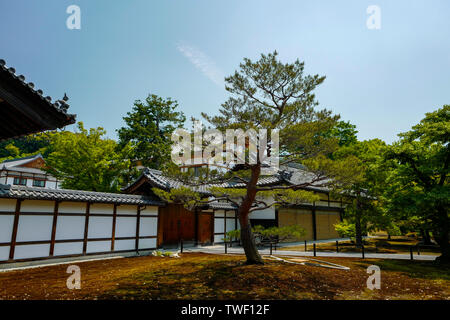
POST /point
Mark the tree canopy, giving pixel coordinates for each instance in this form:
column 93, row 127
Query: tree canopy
column 149, row 127
column 84, row 160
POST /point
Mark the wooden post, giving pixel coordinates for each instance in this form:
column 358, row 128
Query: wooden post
column 362, row 250
column 138, row 224
column 14, row 232
column 86, row 227
column 418, row 249
column 411, row 253
column 270, row 247
column 337, row 246
column 306, row 248
column 181, row 245
column 113, row 232
column 225, row 245
column 55, row 221
column 314, row 248
column 313, row 214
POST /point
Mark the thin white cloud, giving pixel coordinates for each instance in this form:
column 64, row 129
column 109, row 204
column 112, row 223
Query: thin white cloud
column 202, row 62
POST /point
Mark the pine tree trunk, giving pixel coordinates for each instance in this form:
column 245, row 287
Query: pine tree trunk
column 248, row 241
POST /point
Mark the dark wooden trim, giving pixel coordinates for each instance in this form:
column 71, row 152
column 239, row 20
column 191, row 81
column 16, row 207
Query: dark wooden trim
column 138, row 225
column 276, row 217
column 15, row 226
column 54, row 224
column 113, row 232
column 86, row 227
column 314, row 224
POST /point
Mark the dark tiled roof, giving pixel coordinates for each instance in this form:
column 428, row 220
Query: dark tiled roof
column 222, row 206
column 158, row 180
column 51, row 115
column 21, row 192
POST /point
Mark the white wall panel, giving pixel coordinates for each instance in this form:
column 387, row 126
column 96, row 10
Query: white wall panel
column 218, row 225
column 150, row 211
column 37, row 206
column 70, row 227
column 219, row 213
column 147, row 243
column 72, row 207
column 34, row 228
column 98, row 246
column 101, row 208
column 148, row 227
column 230, row 225
column 6, row 226
column 8, row 205
column 31, row 251
column 68, row 248
column 4, row 253
column 100, row 227
column 124, row 245
column 263, row 214
column 126, row 227
column 127, row 209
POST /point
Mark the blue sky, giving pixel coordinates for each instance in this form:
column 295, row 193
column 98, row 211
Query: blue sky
column 381, row 80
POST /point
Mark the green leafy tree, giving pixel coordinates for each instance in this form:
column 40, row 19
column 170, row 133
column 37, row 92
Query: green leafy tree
column 269, row 94
column 149, row 127
column 365, row 191
column 345, row 132
column 419, row 185
column 86, row 161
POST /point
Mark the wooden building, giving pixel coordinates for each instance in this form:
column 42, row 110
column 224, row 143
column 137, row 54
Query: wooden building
column 27, row 171
column 210, row 223
column 25, row 110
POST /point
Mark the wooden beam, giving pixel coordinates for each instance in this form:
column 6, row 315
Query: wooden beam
column 14, row 232
column 314, row 224
column 138, row 224
column 113, row 232
column 86, row 227
column 55, row 221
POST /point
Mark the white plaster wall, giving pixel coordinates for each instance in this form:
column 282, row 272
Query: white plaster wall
column 147, row 243
column 100, row 227
column 218, row 225
column 150, row 211
column 70, row 227
column 37, row 206
column 4, row 253
column 34, row 228
column 127, row 209
column 124, row 245
column 100, row 208
column 68, row 248
column 219, row 213
column 263, row 214
column 31, row 251
column 126, row 227
column 148, row 227
column 72, row 207
column 230, row 224
column 8, row 205
column 98, row 246
column 6, row 226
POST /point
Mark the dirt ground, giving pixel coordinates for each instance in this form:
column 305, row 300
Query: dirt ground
column 203, row 276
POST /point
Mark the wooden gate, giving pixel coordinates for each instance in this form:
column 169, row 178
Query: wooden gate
column 205, row 228
column 175, row 223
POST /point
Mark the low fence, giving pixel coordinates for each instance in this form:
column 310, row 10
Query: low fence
column 40, row 229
